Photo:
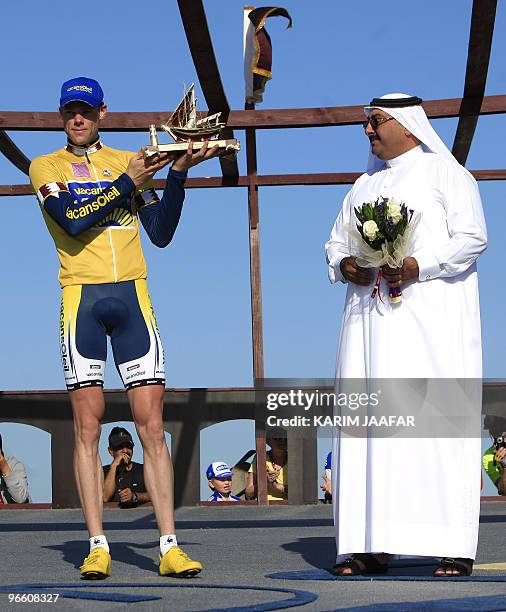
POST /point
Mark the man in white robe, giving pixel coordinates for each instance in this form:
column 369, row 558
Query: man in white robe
column 402, row 496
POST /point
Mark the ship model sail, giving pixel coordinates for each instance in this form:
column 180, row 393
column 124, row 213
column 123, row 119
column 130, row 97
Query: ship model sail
column 183, row 123
column 183, row 126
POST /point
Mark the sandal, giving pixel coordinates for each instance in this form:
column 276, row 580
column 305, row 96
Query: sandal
column 360, row 565
column 454, row 567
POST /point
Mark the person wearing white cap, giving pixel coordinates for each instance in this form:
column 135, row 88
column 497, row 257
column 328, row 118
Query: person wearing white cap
column 433, row 334
column 219, row 479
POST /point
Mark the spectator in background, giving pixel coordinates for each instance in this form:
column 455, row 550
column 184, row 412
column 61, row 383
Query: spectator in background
column 277, row 469
column 494, row 459
column 326, row 486
column 124, row 478
column 219, row 479
column 13, row 480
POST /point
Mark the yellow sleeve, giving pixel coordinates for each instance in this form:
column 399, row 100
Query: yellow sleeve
column 46, row 178
column 485, row 459
column 488, row 465
column 253, row 467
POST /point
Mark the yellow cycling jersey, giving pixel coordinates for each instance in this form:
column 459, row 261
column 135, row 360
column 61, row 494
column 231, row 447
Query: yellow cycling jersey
column 111, row 250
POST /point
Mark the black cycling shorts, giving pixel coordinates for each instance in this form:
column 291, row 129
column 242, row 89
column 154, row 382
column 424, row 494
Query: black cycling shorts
column 123, row 311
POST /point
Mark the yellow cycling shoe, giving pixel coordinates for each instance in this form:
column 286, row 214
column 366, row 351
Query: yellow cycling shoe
column 97, row 565
column 177, row 563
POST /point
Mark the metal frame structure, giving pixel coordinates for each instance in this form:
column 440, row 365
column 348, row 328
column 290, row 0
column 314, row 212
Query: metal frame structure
column 468, row 108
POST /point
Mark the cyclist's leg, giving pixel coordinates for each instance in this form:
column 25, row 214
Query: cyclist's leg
column 88, row 409
column 138, row 355
column 83, row 351
column 146, row 403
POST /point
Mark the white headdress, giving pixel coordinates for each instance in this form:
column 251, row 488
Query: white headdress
column 408, row 112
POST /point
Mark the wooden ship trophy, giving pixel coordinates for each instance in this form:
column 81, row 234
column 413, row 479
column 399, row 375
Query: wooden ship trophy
column 183, row 126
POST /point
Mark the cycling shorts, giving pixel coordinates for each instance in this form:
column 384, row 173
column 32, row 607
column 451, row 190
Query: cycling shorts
column 123, row 311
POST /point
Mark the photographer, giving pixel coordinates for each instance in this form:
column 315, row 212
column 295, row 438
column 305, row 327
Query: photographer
column 494, row 459
column 124, row 478
column 276, row 468
column 13, row 480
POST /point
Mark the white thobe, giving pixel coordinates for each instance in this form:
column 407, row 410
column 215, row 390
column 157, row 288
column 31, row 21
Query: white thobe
column 412, row 496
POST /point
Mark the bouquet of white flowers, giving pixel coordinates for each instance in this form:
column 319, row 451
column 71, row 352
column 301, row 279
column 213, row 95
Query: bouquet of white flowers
column 382, row 237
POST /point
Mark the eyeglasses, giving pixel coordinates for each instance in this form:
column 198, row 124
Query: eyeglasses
column 376, row 121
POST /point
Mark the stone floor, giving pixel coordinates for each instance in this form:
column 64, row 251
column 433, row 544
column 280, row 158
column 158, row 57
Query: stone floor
column 239, row 546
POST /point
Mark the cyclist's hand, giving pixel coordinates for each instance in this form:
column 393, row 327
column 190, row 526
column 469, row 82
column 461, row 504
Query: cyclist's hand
column 141, row 170
column 189, row 159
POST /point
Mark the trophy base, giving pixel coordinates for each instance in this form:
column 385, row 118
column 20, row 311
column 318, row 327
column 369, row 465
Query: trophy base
column 230, row 146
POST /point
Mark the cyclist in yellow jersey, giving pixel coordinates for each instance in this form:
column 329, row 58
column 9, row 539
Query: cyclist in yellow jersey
column 92, row 198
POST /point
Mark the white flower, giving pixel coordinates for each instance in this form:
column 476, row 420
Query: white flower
column 370, row 229
column 394, row 210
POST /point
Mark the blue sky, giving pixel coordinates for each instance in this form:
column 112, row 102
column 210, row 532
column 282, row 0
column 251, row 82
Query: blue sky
column 336, row 54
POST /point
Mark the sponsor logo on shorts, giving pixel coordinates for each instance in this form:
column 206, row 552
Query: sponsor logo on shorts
column 133, row 367
column 95, row 366
column 136, row 375
column 146, row 381
column 87, row 383
column 93, row 374
column 63, row 346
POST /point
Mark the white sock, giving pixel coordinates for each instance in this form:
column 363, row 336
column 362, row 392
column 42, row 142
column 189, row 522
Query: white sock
column 99, row 540
column 166, row 543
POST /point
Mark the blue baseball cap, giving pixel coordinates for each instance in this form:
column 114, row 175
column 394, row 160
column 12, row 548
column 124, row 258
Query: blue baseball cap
column 82, row 89
column 218, row 469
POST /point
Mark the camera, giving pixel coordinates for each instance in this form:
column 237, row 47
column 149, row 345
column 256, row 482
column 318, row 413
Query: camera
column 499, row 442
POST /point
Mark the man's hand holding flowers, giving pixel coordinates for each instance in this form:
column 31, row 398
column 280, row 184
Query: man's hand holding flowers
column 396, row 277
column 354, row 273
column 382, row 240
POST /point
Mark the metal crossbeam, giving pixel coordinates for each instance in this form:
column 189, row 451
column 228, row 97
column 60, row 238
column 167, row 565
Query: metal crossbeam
column 266, row 180
column 242, row 119
column 480, row 45
column 13, row 153
column 202, row 52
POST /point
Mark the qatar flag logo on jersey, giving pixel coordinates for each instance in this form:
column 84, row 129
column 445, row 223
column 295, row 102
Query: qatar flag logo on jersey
column 80, row 170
